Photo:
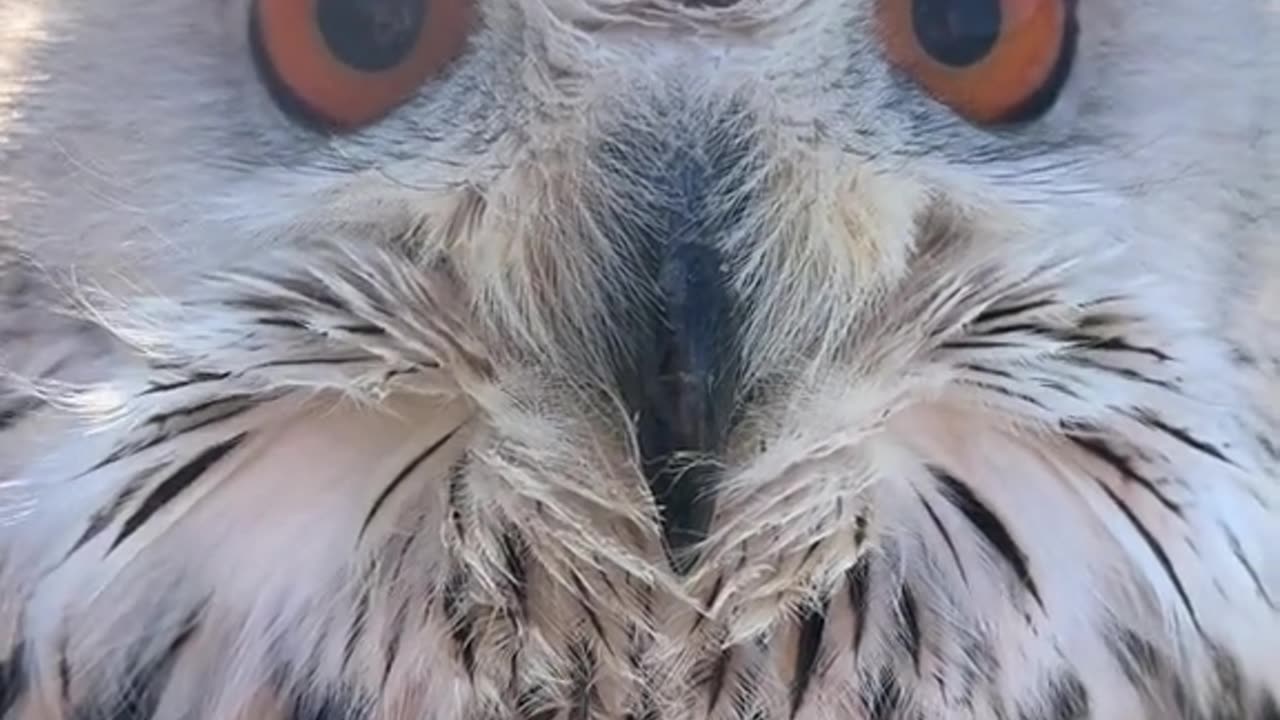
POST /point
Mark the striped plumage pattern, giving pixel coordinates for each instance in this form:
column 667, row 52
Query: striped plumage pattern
column 334, row 432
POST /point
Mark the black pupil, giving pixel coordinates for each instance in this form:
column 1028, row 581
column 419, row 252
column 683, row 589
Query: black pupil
column 371, row 35
column 956, row 32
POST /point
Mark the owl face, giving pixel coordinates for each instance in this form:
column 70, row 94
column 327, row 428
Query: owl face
column 676, row 215
column 705, row 294
column 818, row 134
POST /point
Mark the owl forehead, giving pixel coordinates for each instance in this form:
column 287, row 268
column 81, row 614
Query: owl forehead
column 541, row 73
column 741, row 24
column 604, row 48
column 806, row 60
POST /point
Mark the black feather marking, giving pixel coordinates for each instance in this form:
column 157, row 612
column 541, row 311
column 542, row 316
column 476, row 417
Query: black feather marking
column 808, row 646
column 139, row 696
column 1228, row 701
column 1104, row 452
column 240, row 404
column 1126, row 373
column 946, row 537
column 1268, row 446
column 1148, row 671
column 310, row 291
column 1238, row 550
column 984, row 370
column 535, row 705
column 1182, row 435
column 456, row 498
column 909, row 614
column 1161, row 556
column 280, row 322
column 461, row 625
column 1243, row 357
column 1121, row 345
column 1031, row 328
column 64, row 675
column 359, row 620
column 1079, row 339
column 1004, row 392
column 175, row 484
column 1065, row 699
column 999, row 312
column 402, row 476
column 813, row 546
column 300, row 362
column 105, row 516
column 222, row 416
column 515, row 557
column 1057, row 386
column 516, row 570
column 196, row 379
column 977, row 345
column 13, row 678
column 1068, row 699
column 886, row 695
column 1270, row 709
column 990, row 526
column 398, row 621
column 161, row 418
column 12, row 413
column 858, row 579
column 365, row 329
column 403, row 553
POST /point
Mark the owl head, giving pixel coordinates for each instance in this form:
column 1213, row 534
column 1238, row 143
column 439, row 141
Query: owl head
column 697, row 304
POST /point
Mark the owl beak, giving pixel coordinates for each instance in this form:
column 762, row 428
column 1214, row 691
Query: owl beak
column 682, row 379
column 689, row 396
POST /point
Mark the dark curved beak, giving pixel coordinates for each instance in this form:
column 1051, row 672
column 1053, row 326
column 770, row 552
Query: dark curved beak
column 682, row 374
column 689, row 397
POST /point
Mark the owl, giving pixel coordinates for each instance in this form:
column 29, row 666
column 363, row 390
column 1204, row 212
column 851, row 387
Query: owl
column 639, row 360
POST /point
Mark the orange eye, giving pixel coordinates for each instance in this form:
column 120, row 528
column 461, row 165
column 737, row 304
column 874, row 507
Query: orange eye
column 990, row 60
column 342, row 64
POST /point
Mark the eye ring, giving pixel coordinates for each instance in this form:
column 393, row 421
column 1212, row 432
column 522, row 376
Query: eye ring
column 342, row 64
column 990, row 61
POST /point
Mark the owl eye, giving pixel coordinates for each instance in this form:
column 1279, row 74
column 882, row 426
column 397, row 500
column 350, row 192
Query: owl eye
column 342, row 64
column 992, row 61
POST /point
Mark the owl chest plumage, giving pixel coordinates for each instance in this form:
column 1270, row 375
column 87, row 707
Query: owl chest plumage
column 260, row 543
